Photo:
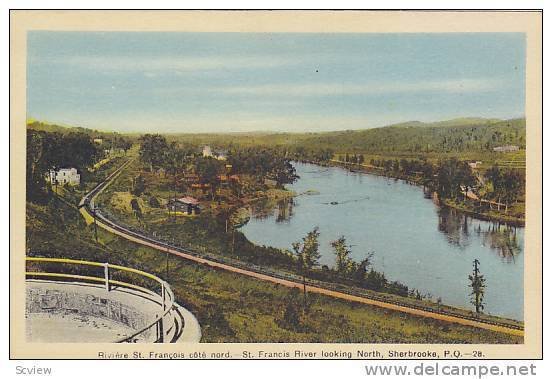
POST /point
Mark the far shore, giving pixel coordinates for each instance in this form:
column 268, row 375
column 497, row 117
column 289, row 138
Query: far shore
column 485, row 216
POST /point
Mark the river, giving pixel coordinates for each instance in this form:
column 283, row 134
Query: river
column 414, row 241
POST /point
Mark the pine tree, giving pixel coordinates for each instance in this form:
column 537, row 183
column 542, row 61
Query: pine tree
column 477, row 284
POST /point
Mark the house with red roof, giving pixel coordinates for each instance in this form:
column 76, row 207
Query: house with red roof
column 186, row 205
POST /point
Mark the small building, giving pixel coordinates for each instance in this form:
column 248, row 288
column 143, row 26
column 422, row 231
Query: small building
column 506, row 149
column 187, row 205
column 99, row 141
column 64, row 176
column 475, row 164
column 207, row 152
column 191, row 178
column 270, row 182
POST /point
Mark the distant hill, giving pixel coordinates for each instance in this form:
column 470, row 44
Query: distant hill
column 457, row 122
column 458, row 135
column 54, row 128
column 446, row 136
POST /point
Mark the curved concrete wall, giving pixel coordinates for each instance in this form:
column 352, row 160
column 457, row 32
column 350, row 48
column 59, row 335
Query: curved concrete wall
column 90, row 300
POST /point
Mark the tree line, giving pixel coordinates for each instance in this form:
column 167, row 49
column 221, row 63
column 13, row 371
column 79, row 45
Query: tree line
column 179, row 158
column 452, row 178
column 47, row 151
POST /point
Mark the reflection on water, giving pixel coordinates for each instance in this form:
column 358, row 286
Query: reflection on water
column 285, row 210
column 502, row 239
column 281, row 209
column 415, row 241
column 454, row 226
column 460, row 230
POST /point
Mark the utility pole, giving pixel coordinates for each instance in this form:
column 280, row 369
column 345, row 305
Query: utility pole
column 167, row 267
column 95, row 224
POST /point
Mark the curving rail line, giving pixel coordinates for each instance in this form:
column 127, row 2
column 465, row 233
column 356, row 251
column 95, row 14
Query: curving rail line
column 86, row 207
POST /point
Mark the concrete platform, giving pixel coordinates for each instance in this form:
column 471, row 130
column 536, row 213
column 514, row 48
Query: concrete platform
column 82, row 312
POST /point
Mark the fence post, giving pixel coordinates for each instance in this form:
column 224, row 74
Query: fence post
column 161, row 332
column 106, row 276
column 163, row 292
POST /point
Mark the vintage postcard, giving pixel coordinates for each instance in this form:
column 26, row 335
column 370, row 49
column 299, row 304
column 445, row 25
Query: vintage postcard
column 276, row 184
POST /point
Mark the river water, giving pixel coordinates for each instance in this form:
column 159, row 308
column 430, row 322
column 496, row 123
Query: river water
column 414, row 241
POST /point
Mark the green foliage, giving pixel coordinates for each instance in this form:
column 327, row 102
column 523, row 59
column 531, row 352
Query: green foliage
column 453, row 177
column 47, row 151
column 136, row 208
column 139, row 186
column 234, row 308
column 505, row 185
column 153, row 148
column 262, row 162
column 215, row 322
column 153, row 202
column 291, row 318
column 208, row 169
column 343, row 262
column 453, row 136
column 308, row 252
column 477, row 284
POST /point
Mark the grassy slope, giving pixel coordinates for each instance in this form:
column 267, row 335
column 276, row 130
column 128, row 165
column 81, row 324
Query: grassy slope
column 234, row 308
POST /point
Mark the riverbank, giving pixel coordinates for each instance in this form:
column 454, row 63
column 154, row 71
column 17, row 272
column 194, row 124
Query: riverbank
column 211, row 235
column 485, row 216
column 468, row 207
column 235, row 308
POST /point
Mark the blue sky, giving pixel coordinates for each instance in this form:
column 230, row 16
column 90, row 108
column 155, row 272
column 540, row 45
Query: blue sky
column 223, row 82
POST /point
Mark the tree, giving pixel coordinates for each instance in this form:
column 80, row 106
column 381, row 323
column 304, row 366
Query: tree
column 505, row 185
column 360, row 270
column 477, row 284
column 153, row 202
column 452, row 176
column 291, row 318
column 138, row 186
column 136, row 208
column 209, row 170
column 283, row 172
column 343, row 262
column 153, row 149
column 513, row 185
column 307, row 255
column 47, row 151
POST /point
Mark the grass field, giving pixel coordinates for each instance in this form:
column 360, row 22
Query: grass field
column 234, row 308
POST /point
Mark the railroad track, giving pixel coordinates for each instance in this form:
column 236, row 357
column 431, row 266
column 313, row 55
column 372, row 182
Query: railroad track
column 86, row 207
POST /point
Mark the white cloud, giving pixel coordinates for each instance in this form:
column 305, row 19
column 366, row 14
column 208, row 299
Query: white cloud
column 152, row 66
column 395, row 87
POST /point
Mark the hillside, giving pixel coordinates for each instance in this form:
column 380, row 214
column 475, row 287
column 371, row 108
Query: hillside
column 442, row 137
column 449, row 136
column 452, row 136
column 236, row 308
column 54, row 128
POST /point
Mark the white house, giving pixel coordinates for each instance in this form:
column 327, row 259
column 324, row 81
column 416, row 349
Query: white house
column 505, row 149
column 65, row 176
column 207, row 151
